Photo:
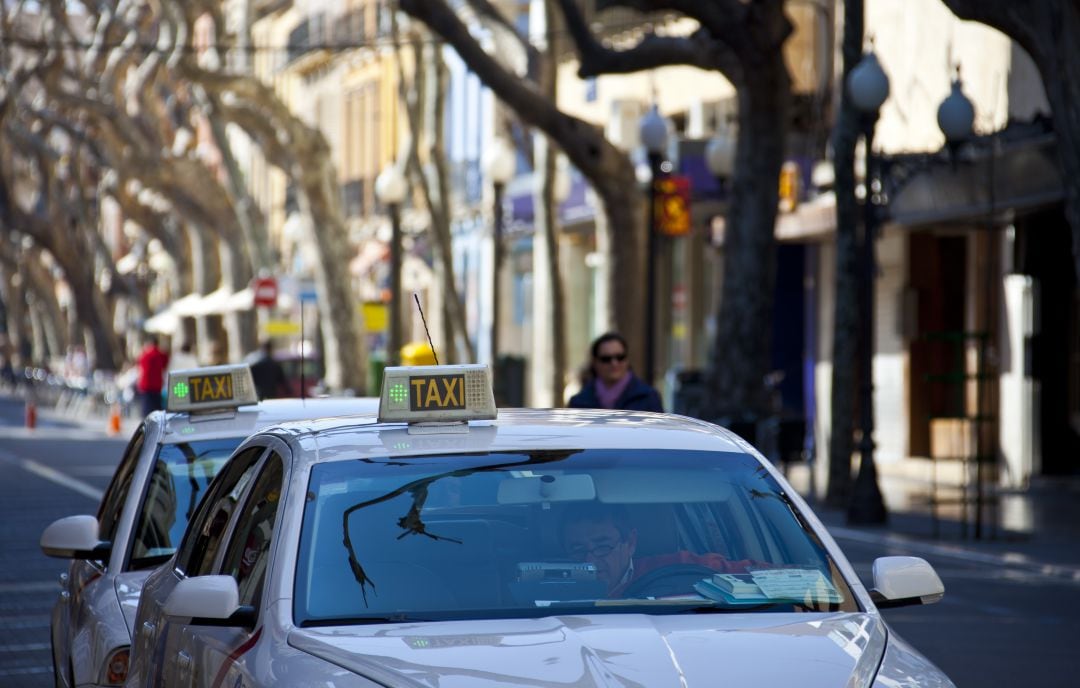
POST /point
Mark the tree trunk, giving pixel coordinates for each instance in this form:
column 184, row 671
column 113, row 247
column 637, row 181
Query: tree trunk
column 303, row 153
column 52, row 317
column 605, row 166
column 239, row 325
column 459, row 347
column 90, row 308
column 344, row 351
column 846, row 305
column 742, row 349
column 205, row 274
column 549, row 343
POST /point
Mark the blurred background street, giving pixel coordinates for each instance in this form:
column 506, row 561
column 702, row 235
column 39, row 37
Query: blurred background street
column 848, row 230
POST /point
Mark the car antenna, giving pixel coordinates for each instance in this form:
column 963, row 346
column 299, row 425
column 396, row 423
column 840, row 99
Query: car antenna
column 416, row 297
column 303, row 382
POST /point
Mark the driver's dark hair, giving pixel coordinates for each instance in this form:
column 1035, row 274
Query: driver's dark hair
column 596, row 512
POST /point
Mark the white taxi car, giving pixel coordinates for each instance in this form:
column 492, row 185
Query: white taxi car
column 447, row 544
column 164, row 471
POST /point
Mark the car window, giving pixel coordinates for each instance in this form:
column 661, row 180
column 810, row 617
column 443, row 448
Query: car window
column 178, row 480
column 203, row 538
column 588, row 531
column 249, row 547
column 116, row 494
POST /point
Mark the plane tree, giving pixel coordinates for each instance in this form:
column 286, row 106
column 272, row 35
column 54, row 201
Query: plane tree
column 302, row 152
column 742, row 41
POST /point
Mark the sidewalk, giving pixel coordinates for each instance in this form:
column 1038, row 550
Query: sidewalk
column 1039, row 526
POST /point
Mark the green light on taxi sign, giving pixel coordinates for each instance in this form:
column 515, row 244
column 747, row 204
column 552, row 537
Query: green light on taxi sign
column 196, row 390
column 398, row 392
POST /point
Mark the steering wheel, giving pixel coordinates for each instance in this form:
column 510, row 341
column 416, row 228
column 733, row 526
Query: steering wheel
column 673, row 579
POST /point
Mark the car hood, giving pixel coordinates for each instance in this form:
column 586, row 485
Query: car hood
column 681, row 651
column 128, row 586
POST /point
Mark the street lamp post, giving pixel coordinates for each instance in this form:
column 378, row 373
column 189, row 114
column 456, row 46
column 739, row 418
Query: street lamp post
column 390, row 189
column 654, row 137
column 956, row 119
column 868, row 87
column 499, row 163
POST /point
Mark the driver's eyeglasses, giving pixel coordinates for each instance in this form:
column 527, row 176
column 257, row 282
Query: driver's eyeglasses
column 599, row 550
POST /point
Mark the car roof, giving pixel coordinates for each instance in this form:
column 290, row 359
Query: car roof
column 514, row 430
column 243, row 421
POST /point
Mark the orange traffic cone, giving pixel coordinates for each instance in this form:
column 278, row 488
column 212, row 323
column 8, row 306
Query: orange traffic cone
column 31, row 415
column 114, row 419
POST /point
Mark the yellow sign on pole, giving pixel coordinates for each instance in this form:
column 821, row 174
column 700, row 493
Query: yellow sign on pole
column 376, row 315
column 672, row 210
column 281, row 328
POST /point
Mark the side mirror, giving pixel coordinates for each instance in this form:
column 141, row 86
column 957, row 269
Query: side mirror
column 904, row 581
column 74, row 537
column 209, row 601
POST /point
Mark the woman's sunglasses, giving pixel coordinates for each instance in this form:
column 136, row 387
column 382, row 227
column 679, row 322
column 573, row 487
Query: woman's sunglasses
column 613, row 357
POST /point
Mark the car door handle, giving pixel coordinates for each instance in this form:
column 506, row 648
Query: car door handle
column 65, row 594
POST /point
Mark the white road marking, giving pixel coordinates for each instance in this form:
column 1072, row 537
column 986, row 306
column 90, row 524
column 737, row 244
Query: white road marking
column 12, row 623
column 51, row 474
column 27, row 671
column 24, row 647
column 94, row 471
column 44, row 431
column 35, row 586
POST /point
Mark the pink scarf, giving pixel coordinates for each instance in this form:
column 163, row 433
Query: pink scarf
column 609, row 395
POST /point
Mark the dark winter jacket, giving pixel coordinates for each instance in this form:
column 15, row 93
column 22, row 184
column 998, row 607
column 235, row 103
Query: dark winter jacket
column 638, row 396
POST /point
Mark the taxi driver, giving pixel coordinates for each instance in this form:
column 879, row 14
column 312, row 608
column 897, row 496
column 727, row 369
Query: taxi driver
column 601, row 534
column 602, row 537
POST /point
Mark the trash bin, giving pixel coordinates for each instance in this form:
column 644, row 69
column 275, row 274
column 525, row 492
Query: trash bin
column 509, row 382
column 376, row 366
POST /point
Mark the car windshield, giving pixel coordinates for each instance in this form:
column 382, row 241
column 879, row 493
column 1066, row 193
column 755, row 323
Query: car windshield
column 578, row 531
column 177, row 481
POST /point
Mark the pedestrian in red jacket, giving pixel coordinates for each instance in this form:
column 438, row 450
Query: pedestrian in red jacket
column 152, row 364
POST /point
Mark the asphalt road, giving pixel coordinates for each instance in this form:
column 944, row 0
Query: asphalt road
column 1002, row 622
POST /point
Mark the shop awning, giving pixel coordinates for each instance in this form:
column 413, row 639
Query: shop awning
column 166, row 322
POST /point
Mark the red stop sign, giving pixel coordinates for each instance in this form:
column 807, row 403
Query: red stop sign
column 265, row 291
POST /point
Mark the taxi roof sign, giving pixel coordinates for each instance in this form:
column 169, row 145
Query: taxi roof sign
column 210, row 388
column 445, row 393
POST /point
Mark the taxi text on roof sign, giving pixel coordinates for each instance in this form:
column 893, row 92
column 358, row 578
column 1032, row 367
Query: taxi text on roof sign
column 217, row 387
column 445, row 393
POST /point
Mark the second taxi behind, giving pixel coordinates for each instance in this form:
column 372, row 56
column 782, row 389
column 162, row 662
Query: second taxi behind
column 163, row 473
